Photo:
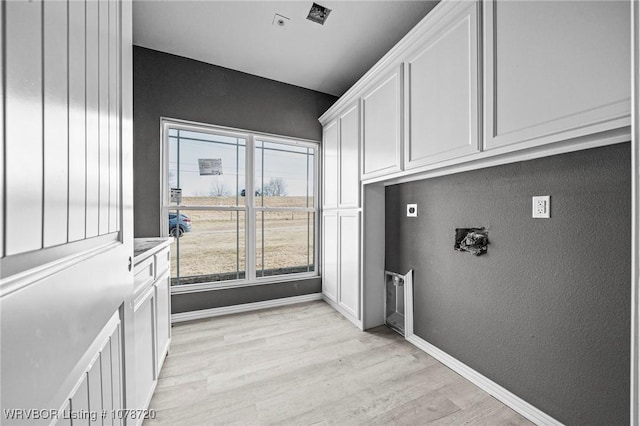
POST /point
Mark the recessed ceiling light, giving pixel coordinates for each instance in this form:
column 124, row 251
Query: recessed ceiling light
column 279, row 20
column 318, row 14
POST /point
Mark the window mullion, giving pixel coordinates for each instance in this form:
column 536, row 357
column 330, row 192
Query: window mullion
column 250, row 219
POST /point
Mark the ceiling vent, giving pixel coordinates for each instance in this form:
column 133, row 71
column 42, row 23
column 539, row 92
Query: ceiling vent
column 279, row 20
column 318, row 14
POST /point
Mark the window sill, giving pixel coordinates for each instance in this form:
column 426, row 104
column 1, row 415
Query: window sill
column 193, row 288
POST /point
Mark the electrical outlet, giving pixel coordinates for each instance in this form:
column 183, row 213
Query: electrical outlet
column 541, row 207
column 412, row 210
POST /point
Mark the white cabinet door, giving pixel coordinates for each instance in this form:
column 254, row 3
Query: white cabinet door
column 442, row 78
column 330, row 166
column 381, row 138
column 349, row 160
column 330, row 255
column 145, row 348
column 555, row 70
column 349, row 264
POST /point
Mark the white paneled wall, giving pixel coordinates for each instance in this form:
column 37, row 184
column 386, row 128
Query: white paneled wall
column 2, row 127
column 99, row 388
column 23, row 127
column 77, row 121
column 61, row 123
column 55, row 120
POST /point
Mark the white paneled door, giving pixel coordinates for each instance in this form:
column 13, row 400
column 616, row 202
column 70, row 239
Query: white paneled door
column 65, row 279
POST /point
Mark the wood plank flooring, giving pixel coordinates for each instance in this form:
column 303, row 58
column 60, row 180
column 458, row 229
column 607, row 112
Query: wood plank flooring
column 307, row 365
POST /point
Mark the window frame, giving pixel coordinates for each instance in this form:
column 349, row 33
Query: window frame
column 250, row 209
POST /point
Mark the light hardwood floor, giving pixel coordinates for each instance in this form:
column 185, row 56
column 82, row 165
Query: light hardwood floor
column 307, row 365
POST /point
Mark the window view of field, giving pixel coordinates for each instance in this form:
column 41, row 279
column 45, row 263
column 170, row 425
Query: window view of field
column 284, row 244
column 214, row 249
column 208, row 177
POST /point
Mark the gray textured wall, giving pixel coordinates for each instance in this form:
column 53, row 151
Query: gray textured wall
column 171, row 86
column 546, row 313
column 166, row 85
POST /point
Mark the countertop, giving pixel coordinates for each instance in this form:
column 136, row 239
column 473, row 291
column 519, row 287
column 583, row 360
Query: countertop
column 145, row 247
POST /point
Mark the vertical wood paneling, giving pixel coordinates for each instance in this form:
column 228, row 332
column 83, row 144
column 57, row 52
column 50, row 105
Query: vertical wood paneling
column 77, row 121
column 55, row 123
column 61, row 131
column 107, row 390
column 95, row 390
column 80, row 401
column 66, row 419
column 93, row 131
column 23, row 137
column 119, row 98
column 116, row 373
column 103, row 125
column 101, row 387
column 2, row 101
column 113, row 115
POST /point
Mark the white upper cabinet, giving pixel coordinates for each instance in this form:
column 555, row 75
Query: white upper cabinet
column 330, row 165
column 349, row 159
column 382, row 133
column 555, row 70
column 442, row 86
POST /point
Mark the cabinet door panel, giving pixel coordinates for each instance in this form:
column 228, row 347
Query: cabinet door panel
column 555, row 70
column 163, row 320
column 381, row 127
column 443, row 93
column 349, row 162
column 330, row 169
column 349, row 265
column 145, row 371
column 330, row 256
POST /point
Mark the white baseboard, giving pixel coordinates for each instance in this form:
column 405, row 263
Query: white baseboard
column 245, row 307
column 503, row 395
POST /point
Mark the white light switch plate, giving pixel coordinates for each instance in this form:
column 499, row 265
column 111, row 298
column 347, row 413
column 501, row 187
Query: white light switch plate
column 541, row 207
column 412, row 210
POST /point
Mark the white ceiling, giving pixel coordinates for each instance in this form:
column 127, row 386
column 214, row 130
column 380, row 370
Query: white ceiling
column 241, row 35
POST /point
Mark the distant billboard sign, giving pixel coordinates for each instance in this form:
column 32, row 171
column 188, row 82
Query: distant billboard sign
column 210, row 166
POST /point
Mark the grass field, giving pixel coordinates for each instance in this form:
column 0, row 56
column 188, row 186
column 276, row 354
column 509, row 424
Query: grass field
column 216, row 243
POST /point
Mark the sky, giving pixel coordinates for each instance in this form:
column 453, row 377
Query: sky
column 288, row 162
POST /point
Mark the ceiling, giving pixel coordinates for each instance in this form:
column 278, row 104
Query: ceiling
column 241, row 35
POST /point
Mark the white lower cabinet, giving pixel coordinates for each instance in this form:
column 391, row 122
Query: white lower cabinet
column 145, row 371
column 341, row 261
column 152, row 320
column 163, row 318
column 330, row 255
column 349, row 262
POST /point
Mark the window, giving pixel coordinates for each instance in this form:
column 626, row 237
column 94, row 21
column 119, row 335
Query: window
column 285, row 208
column 242, row 206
